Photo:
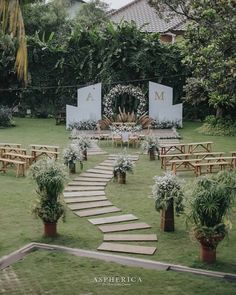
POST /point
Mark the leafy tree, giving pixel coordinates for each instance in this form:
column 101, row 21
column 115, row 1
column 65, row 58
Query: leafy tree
column 209, row 51
column 92, row 14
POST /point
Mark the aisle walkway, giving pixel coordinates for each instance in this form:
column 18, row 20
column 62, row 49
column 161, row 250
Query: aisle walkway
column 86, row 197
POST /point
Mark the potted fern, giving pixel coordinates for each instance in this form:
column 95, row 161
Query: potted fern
column 150, row 145
column 168, row 196
column 71, row 155
column 50, row 178
column 212, row 198
column 122, row 165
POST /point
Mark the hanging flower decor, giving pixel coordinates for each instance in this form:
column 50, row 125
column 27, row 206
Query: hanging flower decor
column 119, row 90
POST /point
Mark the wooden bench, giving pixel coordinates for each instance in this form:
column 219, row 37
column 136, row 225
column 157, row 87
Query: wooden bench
column 10, row 145
column 205, row 146
column 47, row 150
column 188, row 164
column 233, row 154
column 165, row 159
column 60, row 118
column 20, row 166
column 185, row 148
column 27, row 158
column 209, row 166
column 12, row 150
column 224, row 159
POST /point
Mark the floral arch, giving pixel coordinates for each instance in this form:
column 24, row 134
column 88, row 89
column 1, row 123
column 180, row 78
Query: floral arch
column 119, row 90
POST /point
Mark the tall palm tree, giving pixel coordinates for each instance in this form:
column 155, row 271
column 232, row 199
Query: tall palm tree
column 12, row 23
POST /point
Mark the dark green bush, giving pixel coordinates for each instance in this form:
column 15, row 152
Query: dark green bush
column 218, row 126
column 5, row 117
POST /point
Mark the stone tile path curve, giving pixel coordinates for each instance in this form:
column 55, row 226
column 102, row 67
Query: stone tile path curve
column 86, row 197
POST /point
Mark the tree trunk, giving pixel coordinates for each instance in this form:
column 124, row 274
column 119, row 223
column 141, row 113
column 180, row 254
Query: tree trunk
column 219, row 112
column 152, row 154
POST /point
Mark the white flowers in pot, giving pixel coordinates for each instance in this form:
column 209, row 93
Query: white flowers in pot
column 122, row 165
column 71, row 155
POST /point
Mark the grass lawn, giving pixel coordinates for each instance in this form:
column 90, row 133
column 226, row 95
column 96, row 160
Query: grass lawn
column 18, row 227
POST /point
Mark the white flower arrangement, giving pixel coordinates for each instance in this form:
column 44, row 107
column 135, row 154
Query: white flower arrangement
column 119, row 90
column 165, row 189
column 82, row 142
column 72, row 154
column 119, row 129
column 123, row 164
column 149, row 143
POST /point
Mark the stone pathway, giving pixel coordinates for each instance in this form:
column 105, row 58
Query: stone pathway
column 95, row 149
column 86, row 197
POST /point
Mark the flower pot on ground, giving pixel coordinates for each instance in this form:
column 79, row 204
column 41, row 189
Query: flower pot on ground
column 71, row 155
column 122, row 165
column 50, row 178
column 211, row 199
column 168, row 196
column 122, row 177
column 150, row 145
column 83, row 142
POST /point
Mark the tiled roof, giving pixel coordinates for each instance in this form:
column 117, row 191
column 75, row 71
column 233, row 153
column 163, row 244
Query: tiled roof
column 142, row 13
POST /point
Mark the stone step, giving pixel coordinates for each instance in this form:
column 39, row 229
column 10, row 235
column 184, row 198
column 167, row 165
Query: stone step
column 113, row 219
column 84, row 199
column 96, row 153
column 124, row 248
column 100, row 167
column 130, row 237
column 84, row 194
column 89, row 183
column 100, row 171
column 123, row 227
column 104, row 164
column 96, row 175
column 83, row 188
column 79, row 206
column 92, row 212
column 91, row 179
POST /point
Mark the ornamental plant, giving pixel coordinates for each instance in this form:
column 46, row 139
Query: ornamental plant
column 72, row 154
column 167, row 190
column 50, row 177
column 82, row 142
column 123, row 164
column 149, row 143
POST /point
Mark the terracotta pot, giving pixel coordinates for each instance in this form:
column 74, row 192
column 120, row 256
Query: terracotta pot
column 122, row 177
column 167, row 219
column 50, row 229
column 152, row 154
column 208, row 247
column 72, row 168
column 85, row 155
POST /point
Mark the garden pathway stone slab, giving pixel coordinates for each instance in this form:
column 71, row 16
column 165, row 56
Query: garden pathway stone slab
column 91, row 212
column 115, row 247
column 100, row 171
column 104, row 168
column 89, row 183
column 91, row 179
column 79, row 206
column 85, row 199
column 113, row 219
column 83, row 194
column 130, row 237
column 96, row 175
column 83, row 188
column 107, row 164
column 123, row 227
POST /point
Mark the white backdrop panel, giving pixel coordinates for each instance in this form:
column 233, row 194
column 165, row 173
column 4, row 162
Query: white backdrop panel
column 161, row 105
column 90, row 102
column 72, row 115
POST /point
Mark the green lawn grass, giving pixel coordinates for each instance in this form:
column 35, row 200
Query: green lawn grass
column 18, row 226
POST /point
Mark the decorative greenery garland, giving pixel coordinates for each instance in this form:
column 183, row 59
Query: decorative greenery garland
column 118, row 90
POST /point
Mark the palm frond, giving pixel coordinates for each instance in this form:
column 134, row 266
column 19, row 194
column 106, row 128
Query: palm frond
column 11, row 22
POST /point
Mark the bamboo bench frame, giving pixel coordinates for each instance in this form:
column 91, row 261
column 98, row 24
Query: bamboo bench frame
column 13, row 156
column 209, row 165
column 20, row 166
column 47, row 150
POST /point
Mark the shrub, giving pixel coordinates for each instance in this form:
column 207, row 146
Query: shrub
column 165, row 124
column 5, row 117
column 218, row 126
column 83, row 125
